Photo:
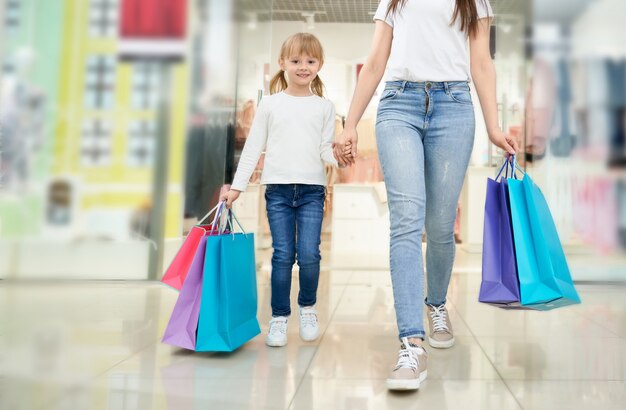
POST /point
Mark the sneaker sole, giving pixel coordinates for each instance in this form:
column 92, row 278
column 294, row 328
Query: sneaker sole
column 410, row 384
column 310, row 339
column 441, row 345
column 276, row 344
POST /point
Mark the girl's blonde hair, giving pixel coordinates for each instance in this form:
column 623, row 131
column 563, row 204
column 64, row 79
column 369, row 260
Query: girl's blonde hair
column 296, row 45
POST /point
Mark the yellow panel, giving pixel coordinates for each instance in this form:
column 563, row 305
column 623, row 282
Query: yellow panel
column 115, row 200
column 173, row 216
column 179, row 122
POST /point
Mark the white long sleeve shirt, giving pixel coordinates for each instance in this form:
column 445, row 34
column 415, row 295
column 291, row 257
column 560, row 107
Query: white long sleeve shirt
column 297, row 134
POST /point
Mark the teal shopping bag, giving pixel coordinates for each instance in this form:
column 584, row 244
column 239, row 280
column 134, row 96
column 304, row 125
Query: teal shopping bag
column 544, row 276
column 229, row 293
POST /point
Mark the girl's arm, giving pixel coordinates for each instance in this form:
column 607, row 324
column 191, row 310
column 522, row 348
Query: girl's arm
column 255, row 143
column 484, row 77
column 369, row 78
column 328, row 135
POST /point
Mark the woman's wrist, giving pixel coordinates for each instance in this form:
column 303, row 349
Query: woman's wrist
column 495, row 130
column 350, row 125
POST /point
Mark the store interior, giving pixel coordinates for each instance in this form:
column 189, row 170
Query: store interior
column 107, row 160
column 115, row 166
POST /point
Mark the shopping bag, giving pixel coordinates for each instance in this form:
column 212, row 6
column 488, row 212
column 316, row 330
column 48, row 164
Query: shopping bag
column 177, row 271
column 229, row 293
column 183, row 324
column 499, row 284
column 544, row 276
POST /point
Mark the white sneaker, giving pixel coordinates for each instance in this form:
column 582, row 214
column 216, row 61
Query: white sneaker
column 277, row 336
column 309, row 327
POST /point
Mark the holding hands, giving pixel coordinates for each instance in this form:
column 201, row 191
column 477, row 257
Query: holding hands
column 344, row 148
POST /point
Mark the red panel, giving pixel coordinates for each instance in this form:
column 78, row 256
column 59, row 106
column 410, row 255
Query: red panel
column 153, row 19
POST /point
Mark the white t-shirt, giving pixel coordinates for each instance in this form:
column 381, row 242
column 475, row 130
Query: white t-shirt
column 297, row 134
column 425, row 46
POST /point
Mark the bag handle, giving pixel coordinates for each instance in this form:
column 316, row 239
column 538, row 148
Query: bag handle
column 506, row 161
column 516, row 167
column 229, row 223
column 209, row 214
column 510, row 164
column 216, row 220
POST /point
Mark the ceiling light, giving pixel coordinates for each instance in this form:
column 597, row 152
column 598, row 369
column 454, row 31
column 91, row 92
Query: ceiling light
column 310, row 20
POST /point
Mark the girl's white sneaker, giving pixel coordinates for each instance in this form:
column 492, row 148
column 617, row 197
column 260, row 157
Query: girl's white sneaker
column 277, row 336
column 309, row 326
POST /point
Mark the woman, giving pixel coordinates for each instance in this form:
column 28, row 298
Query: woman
column 425, row 134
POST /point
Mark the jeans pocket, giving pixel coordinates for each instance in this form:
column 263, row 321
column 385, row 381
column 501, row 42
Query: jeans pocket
column 460, row 96
column 389, row 93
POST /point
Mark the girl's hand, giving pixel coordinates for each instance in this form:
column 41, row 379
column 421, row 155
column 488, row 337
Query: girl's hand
column 230, row 197
column 347, row 140
column 347, row 153
column 504, row 141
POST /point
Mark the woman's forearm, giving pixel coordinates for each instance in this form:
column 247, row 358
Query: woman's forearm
column 484, row 77
column 369, row 79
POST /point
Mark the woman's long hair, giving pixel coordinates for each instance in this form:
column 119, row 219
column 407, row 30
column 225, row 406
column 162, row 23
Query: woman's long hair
column 464, row 10
column 295, row 45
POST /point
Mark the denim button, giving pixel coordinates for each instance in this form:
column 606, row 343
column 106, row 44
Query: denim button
column 428, row 85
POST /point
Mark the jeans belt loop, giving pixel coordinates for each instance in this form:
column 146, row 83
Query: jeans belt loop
column 403, row 86
column 446, row 86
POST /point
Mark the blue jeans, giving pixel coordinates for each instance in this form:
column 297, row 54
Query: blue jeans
column 295, row 213
column 425, row 135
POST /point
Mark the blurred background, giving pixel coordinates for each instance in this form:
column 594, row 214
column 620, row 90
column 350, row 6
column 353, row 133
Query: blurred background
column 121, row 119
column 118, row 128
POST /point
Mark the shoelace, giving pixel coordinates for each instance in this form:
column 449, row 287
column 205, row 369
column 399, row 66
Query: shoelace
column 407, row 359
column 278, row 326
column 308, row 318
column 438, row 314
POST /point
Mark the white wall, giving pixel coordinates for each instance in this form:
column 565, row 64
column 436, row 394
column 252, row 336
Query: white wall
column 599, row 31
column 345, row 45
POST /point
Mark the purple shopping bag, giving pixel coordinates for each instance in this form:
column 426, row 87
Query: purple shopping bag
column 500, row 284
column 181, row 329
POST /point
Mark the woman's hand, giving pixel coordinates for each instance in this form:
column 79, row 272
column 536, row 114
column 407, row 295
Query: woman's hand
column 230, row 197
column 347, row 153
column 504, row 141
column 345, row 148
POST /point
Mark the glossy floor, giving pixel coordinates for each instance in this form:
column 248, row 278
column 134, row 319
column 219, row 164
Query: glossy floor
column 96, row 345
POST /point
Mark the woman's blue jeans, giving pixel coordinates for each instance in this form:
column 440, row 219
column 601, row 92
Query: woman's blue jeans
column 425, row 135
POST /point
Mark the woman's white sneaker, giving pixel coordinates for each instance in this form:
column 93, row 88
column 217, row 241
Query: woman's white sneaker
column 309, row 326
column 277, row 336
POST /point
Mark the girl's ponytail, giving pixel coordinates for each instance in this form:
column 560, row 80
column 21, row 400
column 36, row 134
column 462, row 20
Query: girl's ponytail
column 278, row 83
column 317, row 86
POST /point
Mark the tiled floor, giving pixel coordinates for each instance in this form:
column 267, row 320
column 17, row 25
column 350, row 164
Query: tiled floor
column 96, row 345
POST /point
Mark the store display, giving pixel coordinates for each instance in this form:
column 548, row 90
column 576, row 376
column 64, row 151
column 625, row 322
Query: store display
column 209, row 161
column 563, row 144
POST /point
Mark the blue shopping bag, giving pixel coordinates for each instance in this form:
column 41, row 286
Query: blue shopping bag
column 544, row 276
column 229, row 293
column 500, row 284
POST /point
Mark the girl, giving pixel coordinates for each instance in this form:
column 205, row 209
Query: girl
column 425, row 133
column 296, row 126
